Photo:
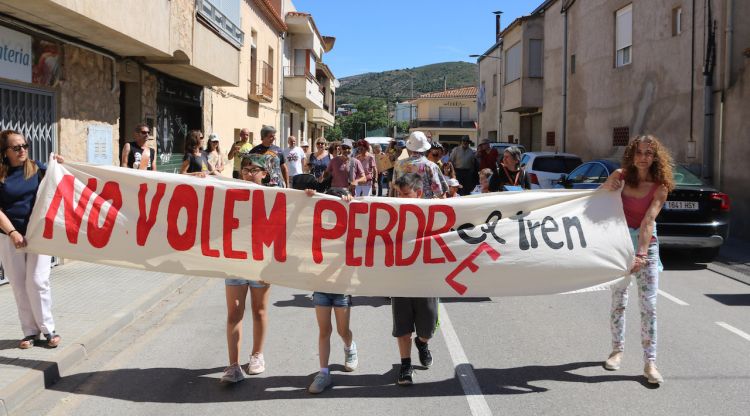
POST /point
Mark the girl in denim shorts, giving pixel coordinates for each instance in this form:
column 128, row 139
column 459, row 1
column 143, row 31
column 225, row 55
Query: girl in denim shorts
column 253, row 169
column 341, row 306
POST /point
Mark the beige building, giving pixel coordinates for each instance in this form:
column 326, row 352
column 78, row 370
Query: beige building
column 88, row 74
column 635, row 66
column 447, row 116
column 309, row 86
column 493, row 125
column 255, row 101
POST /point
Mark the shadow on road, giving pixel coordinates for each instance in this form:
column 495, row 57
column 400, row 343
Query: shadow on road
column 304, row 301
column 178, row 385
column 742, row 299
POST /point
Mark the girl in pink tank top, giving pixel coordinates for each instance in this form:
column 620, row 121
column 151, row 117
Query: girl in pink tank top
column 647, row 171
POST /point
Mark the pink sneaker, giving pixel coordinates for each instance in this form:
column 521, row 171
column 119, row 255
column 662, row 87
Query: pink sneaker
column 257, row 364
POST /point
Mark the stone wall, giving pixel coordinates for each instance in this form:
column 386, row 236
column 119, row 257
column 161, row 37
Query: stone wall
column 86, row 98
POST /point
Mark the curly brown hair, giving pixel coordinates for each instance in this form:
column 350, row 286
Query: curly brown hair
column 661, row 169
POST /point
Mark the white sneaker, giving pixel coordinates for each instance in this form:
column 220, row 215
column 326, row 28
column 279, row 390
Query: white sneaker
column 320, row 383
column 257, row 364
column 614, row 360
column 652, row 374
column 350, row 358
column 232, row 374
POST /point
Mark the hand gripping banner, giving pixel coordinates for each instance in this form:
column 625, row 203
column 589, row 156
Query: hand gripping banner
column 506, row 244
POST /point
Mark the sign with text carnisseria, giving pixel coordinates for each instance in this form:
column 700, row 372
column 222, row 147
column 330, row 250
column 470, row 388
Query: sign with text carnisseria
column 15, row 55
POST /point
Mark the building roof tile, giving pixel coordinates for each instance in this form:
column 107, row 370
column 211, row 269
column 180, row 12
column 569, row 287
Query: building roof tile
column 463, row 92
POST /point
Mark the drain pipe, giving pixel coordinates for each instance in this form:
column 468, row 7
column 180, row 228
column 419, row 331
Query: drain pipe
column 729, row 40
column 31, row 28
column 563, row 136
column 708, row 102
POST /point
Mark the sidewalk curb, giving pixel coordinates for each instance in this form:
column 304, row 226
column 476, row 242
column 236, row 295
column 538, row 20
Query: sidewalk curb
column 48, row 373
column 728, row 272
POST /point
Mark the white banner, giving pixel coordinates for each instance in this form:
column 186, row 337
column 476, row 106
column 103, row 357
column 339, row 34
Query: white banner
column 513, row 243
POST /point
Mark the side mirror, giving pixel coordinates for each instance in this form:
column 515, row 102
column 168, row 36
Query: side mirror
column 563, row 180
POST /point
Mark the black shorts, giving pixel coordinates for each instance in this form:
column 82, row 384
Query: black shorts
column 414, row 313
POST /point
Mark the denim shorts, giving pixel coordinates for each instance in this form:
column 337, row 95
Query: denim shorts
column 252, row 283
column 332, row 299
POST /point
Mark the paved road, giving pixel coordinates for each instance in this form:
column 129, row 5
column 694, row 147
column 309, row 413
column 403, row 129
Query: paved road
column 529, row 355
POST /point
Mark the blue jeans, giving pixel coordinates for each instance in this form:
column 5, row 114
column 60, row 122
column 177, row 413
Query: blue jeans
column 252, row 283
column 332, row 299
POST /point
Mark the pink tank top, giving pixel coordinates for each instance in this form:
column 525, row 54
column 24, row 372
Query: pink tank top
column 635, row 208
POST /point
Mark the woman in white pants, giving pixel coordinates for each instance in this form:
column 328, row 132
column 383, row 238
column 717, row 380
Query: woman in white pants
column 27, row 273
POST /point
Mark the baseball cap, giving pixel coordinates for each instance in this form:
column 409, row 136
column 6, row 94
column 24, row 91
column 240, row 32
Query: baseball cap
column 454, row 183
column 213, row 137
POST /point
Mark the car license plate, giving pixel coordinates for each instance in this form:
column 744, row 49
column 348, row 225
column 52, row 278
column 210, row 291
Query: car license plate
column 682, row 205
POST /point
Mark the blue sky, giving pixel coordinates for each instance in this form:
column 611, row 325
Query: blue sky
column 379, row 35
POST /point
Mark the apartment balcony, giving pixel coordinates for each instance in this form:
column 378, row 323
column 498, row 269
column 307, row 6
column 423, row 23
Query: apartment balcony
column 322, row 116
column 302, row 88
column 523, row 95
column 446, row 124
column 172, row 36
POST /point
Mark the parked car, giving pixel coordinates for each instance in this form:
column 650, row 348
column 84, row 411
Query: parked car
column 501, row 146
column 543, row 169
column 695, row 216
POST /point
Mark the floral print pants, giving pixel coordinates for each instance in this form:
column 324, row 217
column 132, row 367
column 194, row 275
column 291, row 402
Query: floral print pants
column 647, row 281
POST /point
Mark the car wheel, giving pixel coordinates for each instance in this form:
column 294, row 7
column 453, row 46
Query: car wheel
column 706, row 255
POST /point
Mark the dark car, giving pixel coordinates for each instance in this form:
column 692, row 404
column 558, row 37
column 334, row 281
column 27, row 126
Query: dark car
column 695, row 216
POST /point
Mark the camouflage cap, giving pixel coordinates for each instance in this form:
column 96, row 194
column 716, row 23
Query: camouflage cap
column 255, row 159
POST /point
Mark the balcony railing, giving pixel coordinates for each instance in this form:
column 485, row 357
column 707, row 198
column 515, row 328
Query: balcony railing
column 456, row 124
column 219, row 21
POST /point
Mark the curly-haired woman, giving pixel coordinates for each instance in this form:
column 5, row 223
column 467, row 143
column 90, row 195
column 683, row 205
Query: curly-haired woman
column 647, row 176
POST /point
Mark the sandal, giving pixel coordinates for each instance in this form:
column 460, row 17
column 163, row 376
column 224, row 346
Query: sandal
column 53, row 340
column 28, row 342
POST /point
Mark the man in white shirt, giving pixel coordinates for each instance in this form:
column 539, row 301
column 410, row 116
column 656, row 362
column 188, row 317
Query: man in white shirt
column 294, row 157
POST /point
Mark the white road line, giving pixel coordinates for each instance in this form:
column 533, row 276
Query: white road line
column 672, row 298
column 730, row 328
column 469, row 383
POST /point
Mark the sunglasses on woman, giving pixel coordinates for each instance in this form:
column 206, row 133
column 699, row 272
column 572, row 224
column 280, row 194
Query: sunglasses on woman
column 17, row 148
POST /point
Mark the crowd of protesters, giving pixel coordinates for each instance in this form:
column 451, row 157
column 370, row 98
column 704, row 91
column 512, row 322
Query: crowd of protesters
column 413, row 168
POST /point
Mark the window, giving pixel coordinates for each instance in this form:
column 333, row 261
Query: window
column 676, row 21
column 252, row 78
column 550, row 138
column 536, row 53
column 300, row 58
column 556, row 164
column 513, row 63
column 494, row 85
column 573, row 64
column 624, row 36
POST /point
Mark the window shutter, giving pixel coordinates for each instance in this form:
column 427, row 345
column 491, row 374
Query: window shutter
column 535, row 58
column 513, row 63
column 624, row 27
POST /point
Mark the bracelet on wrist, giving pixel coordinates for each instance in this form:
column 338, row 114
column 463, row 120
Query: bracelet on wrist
column 12, row 231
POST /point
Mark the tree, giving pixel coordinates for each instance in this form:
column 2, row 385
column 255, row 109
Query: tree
column 371, row 112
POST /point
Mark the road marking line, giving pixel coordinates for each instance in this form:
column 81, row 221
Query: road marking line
column 469, row 383
column 730, row 328
column 672, row 298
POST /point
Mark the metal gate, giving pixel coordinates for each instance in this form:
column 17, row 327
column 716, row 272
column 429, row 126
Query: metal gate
column 31, row 112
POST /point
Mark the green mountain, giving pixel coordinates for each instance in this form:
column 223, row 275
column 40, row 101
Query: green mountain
column 396, row 85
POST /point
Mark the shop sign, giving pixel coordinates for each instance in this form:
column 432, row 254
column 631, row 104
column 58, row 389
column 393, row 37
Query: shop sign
column 15, row 55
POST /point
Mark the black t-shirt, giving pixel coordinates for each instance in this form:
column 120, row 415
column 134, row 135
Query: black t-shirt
column 507, row 177
column 198, row 163
column 135, row 155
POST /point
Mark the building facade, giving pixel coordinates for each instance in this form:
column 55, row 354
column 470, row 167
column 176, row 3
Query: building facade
column 494, row 124
column 613, row 69
column 90, row 74
column 447, row 116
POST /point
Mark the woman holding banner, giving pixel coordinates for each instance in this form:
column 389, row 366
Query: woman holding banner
column 647, row 177
column 27, row 273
